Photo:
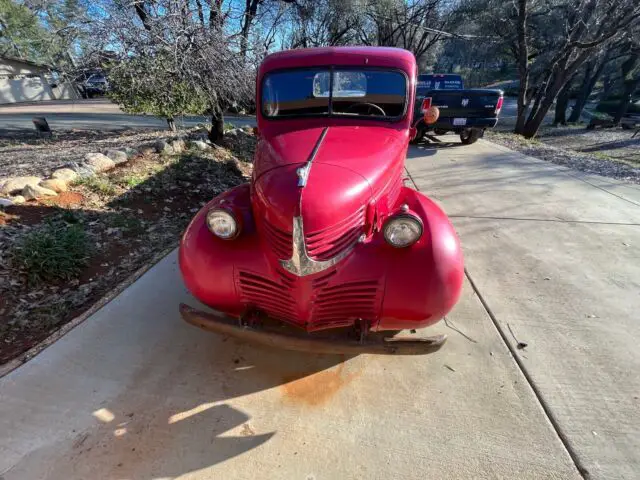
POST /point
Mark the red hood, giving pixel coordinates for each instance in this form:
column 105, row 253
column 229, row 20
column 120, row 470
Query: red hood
column 367, row 150
column 347, row 167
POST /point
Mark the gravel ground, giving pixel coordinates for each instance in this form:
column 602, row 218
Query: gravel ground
column 129, row 214
column 607, row 152
column 28, row 154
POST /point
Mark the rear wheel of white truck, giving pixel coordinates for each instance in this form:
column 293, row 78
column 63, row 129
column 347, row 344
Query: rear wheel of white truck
column 467, row 137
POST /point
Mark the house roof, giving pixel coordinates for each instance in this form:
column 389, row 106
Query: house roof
column 26, row 62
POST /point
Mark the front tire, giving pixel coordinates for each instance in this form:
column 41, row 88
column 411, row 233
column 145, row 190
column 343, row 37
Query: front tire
column 467, row 137
column 420, row 131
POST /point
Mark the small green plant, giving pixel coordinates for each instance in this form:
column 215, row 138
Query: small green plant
column 99, row 185
column 55, row 251
column 131, row 181
column 126, row 223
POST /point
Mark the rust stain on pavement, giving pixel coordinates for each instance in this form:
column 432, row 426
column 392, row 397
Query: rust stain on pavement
column 318, row 388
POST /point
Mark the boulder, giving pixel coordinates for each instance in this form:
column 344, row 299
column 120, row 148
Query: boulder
column 56, row 184
column 14, row 184
column 162, row 146
column 18, row 200
column 118, row 156
column 6, row 202
column 147, row 149
column 65, row 174
column 99, row 162
column 178, row 145
column 32, row 192
column 247, row 128
column 200, row 145
column 131, row 152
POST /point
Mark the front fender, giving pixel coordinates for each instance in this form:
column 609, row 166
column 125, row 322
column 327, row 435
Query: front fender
column 208, row 263
column 424, row 281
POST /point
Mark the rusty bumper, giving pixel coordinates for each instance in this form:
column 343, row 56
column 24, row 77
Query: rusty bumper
column 304, row 342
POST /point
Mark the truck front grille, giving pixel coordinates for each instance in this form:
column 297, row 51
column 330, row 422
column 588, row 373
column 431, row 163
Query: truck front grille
column 332, row 305
column 272, row 297
column 329, row 242
column 341, row 304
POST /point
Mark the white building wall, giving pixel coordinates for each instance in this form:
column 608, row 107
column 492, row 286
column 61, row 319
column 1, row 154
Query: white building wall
column 22, row 82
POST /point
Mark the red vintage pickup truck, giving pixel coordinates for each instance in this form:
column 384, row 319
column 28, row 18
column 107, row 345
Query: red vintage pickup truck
column 326, row 250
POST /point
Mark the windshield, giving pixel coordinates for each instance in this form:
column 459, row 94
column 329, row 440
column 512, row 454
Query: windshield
column 336, row 92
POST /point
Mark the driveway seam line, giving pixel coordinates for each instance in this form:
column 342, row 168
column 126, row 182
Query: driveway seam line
column 584, row 473
column 582, row 470
column 585, row 222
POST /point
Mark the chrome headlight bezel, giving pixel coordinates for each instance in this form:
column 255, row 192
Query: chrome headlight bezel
column 402, row 217
column 220, row 213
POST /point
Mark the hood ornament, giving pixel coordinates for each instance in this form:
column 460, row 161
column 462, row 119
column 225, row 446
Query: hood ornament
column 303, row 174
column 300, row 264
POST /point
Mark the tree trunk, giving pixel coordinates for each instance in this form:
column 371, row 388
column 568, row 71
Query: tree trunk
column 217, row 126
column 588, row 82
column 562, row 103
column 629, row 88
column 171, row 123
column 250, row 11
column 523, row 65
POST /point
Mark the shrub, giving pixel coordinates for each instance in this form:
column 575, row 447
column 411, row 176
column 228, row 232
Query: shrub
column 99, row 185
column 55, row 251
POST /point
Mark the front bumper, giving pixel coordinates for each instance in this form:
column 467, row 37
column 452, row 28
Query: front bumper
column 304, row 342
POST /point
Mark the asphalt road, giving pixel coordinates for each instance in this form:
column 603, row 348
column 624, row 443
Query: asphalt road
column 552, row 256
column 94, row 114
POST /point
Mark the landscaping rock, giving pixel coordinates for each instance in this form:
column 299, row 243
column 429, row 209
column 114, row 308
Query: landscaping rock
column 99, row 162
column 81, row 170
column 56, row 184
column 5, row 202
column 18, row 200
column 163, row 147
column 18, row 183
column 32, row 192
column 118, row 156
column 66, row 174
column 178, row 145
column 131, row 152
column 200, row 145
column 147, row 149
column 247, row 128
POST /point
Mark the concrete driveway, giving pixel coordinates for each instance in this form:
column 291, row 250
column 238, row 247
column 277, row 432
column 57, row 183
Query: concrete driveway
column 94, row 114
column 134, row 393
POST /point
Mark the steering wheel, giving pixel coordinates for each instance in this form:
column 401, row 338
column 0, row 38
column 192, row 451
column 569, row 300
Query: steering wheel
column 370, row 107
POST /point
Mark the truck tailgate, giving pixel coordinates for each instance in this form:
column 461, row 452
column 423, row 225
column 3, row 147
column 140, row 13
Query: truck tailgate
column 465, row 103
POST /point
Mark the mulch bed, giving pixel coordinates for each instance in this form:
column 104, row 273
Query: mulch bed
column 136, row 211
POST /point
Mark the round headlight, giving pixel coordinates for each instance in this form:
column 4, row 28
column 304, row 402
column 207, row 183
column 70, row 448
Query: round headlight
column 222, row 224
column 402, row 230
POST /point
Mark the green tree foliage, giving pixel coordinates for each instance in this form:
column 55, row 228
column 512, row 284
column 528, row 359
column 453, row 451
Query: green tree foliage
column 146, row 85
column 43, row 31
column 21, row 33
